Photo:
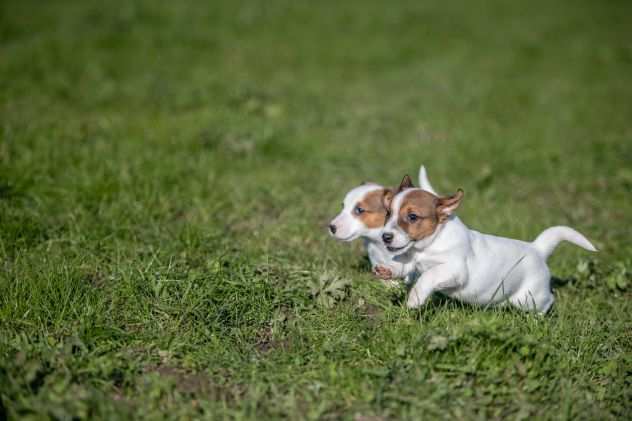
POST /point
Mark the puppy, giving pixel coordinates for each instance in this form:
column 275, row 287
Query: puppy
column 363, row 216
column 465, row 264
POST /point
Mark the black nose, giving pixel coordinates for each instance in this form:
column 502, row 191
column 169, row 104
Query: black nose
column 332, row 228
column 387, row 237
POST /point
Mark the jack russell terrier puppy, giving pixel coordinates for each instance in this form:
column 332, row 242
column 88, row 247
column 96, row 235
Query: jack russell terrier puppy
column 363, row 216
column 465, row 264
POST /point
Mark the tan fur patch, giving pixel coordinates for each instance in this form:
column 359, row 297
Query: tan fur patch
column 424, row 205
column 387, row 198
column 446, row 205
column 374, row 215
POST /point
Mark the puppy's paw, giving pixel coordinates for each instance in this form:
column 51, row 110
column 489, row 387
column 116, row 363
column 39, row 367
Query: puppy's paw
column 413, row 300
column 382, row 272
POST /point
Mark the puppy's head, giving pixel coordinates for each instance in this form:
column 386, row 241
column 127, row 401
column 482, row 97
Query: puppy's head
column 414, row 216
column 363, row 213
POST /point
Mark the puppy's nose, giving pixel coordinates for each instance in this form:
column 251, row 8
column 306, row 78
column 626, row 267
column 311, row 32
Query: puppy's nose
column 332, row 228
column 387, row 237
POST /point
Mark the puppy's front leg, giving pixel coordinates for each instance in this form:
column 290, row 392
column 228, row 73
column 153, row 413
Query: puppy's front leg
column 437, row 278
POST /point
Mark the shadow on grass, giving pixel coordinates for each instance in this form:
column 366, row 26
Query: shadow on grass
column 363, row 264
column 438, row 302
column 561, row 282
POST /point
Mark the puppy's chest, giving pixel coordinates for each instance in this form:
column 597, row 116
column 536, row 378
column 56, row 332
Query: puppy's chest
column 378, row 256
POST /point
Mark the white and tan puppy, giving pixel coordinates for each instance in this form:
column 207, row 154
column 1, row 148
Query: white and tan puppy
column 465, row 264
column 363, row 216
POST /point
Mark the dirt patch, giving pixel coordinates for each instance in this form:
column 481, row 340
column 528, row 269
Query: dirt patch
column 266, row 341
column 96, row 279
column 360, row 417
column 371, row 311
column 198, row 384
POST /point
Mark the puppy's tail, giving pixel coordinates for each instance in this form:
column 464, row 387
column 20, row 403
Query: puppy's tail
column 424, row 183
column 548, row 240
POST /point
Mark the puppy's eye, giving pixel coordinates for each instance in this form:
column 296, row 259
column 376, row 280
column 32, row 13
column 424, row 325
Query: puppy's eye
column 412, row 217
column 358, row 210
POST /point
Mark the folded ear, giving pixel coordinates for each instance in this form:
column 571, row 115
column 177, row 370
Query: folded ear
column 387, row 198
column 447, row 205
column 407, row 183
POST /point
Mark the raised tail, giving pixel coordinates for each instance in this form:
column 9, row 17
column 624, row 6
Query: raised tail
column 424, row 183
column 548, row 240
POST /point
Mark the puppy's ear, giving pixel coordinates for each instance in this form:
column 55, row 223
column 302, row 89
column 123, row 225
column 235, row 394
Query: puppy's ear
column 447, row 205
column 387, row 198
column 407, row 183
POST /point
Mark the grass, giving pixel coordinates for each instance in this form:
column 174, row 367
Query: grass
column 167, row 168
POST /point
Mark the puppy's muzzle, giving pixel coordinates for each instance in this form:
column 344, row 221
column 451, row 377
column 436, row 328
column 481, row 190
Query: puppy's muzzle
column 332, row 228
column 387, row 237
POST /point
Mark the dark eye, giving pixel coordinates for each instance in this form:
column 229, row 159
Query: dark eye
column 358, row 210
column 412, row 217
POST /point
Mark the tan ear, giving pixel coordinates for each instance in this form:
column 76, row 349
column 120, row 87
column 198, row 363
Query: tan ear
column 387, row 198
column 447, row 205
column 407, row 183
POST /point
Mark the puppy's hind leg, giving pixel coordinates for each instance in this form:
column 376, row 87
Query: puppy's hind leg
column 535, row 295
column 528, row 301
column 546, row 305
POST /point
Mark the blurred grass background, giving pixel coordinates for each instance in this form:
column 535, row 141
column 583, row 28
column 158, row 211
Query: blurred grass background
column 166, row 171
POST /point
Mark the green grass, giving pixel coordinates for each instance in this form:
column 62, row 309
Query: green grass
column 167, row 168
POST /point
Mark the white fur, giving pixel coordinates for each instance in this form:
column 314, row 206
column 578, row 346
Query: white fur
column 424, row 183
column 478, row 268
column 349, row 228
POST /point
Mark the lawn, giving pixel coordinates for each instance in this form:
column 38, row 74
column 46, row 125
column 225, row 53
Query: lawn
column 167, row 170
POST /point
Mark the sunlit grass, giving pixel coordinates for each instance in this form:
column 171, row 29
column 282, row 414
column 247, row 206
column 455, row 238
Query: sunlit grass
column 167, row 170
